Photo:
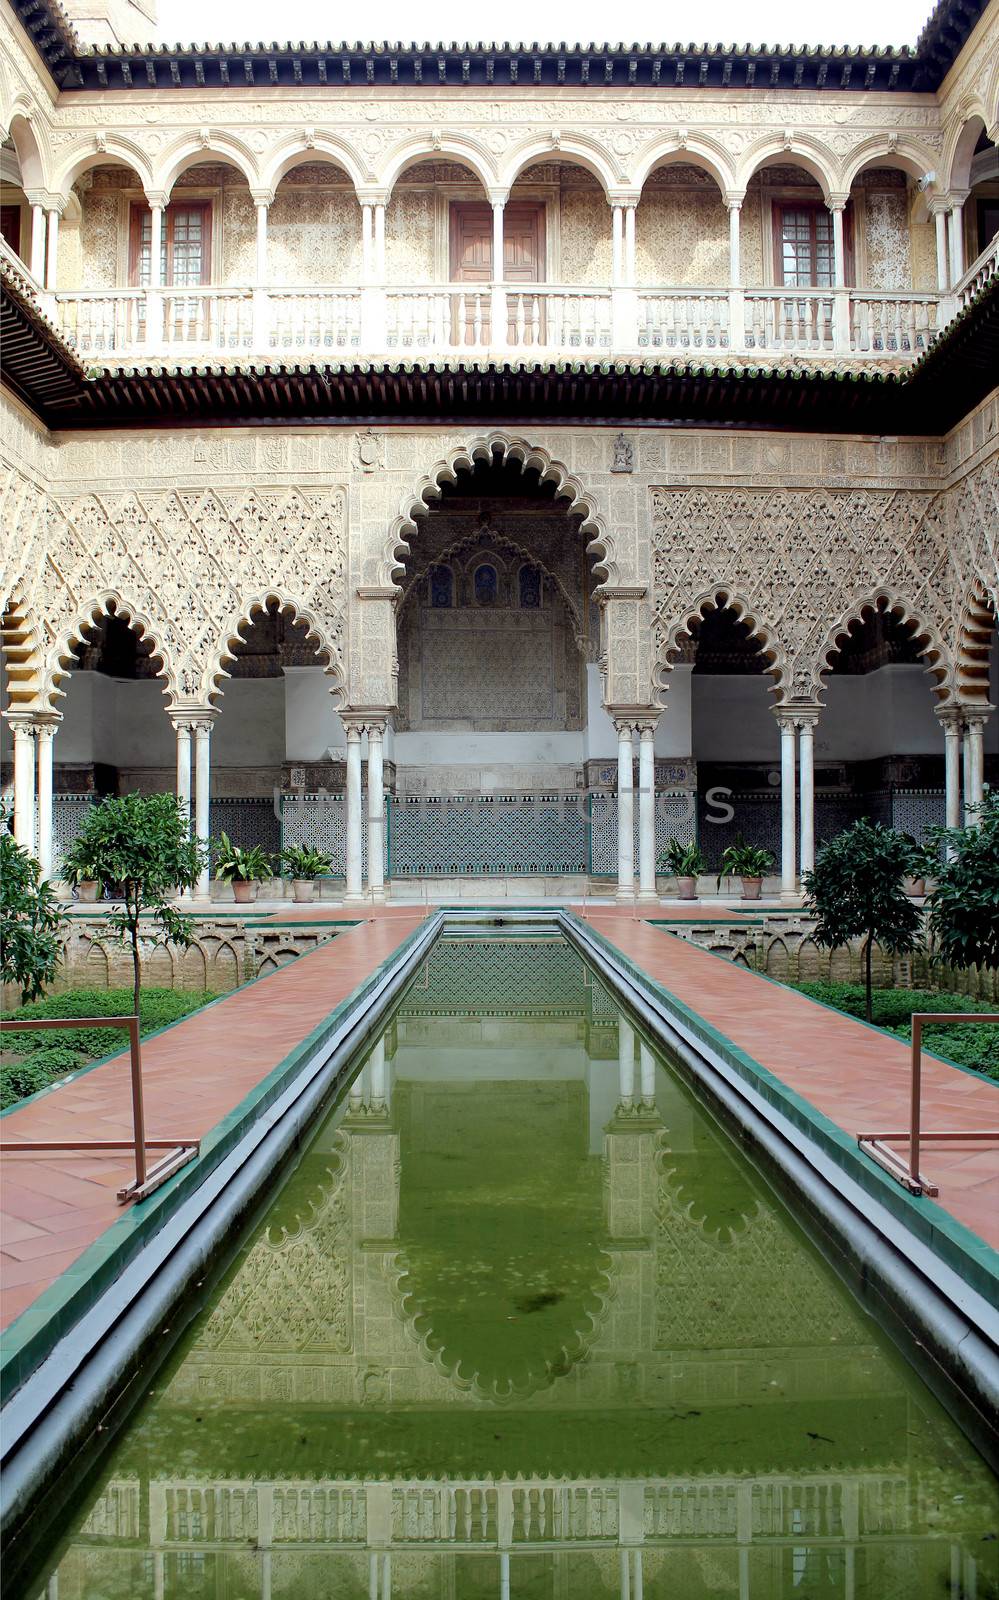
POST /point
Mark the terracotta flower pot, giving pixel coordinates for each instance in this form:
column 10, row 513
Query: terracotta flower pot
column 88, row 890
column 244, row 892
column 915, row 887
column 686, row 888
column 303, row 890
column 751, row 888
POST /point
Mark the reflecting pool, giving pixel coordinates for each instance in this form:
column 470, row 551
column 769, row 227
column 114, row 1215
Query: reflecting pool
column 523, row 1322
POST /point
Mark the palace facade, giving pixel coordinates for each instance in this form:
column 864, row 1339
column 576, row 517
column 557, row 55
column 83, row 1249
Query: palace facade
column 489, row 462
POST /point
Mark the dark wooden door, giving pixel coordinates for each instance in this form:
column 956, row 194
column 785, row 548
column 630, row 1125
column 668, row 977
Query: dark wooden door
column 471, row 257
column 10, row 227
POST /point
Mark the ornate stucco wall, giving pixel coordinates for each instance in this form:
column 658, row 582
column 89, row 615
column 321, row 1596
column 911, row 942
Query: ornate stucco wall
column 187, row 532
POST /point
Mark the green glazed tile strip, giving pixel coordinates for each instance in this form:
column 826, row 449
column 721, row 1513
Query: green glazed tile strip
column 32, row 1335
column 963, row 1250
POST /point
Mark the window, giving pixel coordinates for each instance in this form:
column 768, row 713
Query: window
column 486, row 585
column 803, row 245
column 441, row 587
column 530, row 587
column 185, row 249
column 10, row 227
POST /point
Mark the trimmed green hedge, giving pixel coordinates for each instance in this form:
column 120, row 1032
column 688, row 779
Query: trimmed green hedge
column 976, row 1046
column 53, row 1052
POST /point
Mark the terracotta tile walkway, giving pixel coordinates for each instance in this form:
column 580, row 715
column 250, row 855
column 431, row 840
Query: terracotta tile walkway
column 856, row 1077
column 52, row 1206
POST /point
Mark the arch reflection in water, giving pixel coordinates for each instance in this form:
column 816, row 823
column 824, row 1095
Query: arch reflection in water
column 522, row 1322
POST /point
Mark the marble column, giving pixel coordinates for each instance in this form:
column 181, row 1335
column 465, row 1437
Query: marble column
column 648, row 1074
column 45, row 735
column 23, row 732
column 806, row 783
column 974, row 726
column 262, row 207
column 788, row 877
column 367, row 243
column 734, row 244
column 839, row 244
column 629, row 246
column 52, row 250
column 625, row 813
column 943, row 268
column 617, row 243
column 354, row 885
column 183, row 732
column 202, row 799
column 647, row 812
column 376, row 812
column 377, row 1066
column 155, row 246
column 956, row 243
column 37, row 262
column 625, row 1061
column 379, row 241
column 967, row 778
column 951, row 720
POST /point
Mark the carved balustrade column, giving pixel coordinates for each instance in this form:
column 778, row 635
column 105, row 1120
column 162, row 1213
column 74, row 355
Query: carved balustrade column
column 625, row 811
column 950, row 719
column 376, row 811
column 806, row 721
column 498, row 309
column 788, row 877
column 629, row 243
column 154, row 297
column 22, row 727
column 202, row 728
column 647, row 811
column 617, row 244
column 45, row 728
column 354, row 885
column 261, row 312
column 379, row 241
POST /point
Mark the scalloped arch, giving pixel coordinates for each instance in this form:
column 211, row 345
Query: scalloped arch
column 932, row 646
column 976, row 638
column 719, row 597
column 576, row 149
column 600, row 544
column 800, row 152
column 327, row 644
column 187, row 152
column 700, row 151
column 59, row 653
column 468, row 151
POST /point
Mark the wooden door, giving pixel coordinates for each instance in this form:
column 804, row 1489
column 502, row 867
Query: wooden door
column 185, row 263
column 471, row 261
column 10, row 227
column 524, row 264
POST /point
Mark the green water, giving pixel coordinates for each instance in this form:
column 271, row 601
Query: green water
column 523, row 1322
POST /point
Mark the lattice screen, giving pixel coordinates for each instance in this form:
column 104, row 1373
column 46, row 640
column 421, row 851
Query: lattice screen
column 483, row 835
column 247, row 821
column 676, row 818
column 319, row 821
column 499, row 977
column 68, row 812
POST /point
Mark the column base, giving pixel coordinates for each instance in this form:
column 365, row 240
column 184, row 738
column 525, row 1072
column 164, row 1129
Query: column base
column 355, row 897
column 624, row 897
column 378, row 895
column 648, row 897
column 790, row 896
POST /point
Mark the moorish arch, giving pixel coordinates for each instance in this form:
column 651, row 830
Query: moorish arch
column 503, row 448
column 890, row 603
column 671, row 633
column 59, row 655
column 975, row 647
column 326, row 634
column 464, row 547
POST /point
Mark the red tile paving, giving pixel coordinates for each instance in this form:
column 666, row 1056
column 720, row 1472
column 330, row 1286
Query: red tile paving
column 858, row 1078
column 53, row 1205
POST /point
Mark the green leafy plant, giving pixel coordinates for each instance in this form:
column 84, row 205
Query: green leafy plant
column 856, row 892
column 141, row 843
column 305, row 863
column 233, row 864
column 742, row 860
column 79, row 864
column 974, row 1045
column 682, row 860
column 30, row 920
column 964, row 905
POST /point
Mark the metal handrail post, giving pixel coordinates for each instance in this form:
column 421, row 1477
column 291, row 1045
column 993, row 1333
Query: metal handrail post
column 915, row 1095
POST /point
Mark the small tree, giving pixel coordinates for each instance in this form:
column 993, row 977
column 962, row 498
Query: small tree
column 964, row 906
column 141, row 843
column 30, row 920
column 856, row 892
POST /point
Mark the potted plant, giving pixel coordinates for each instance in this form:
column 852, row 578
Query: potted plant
column 305, row 866
column 750, row 862
column 80, row 868
column 244, row 869
column 683, row 862
column 922, row 864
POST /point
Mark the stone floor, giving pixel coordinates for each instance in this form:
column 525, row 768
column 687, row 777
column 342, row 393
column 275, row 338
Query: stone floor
column 52, row 1206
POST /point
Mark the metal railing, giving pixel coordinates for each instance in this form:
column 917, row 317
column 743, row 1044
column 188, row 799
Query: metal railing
column 876, row 1144
column 147, row 1178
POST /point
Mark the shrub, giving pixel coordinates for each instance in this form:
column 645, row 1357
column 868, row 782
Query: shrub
column 18, row 1079
column 158, row 1007
column 974, row 1046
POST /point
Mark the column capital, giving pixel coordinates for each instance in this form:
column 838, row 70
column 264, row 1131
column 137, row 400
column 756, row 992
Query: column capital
column 624, row 727
column 48, row 199
column 22, row 723
column 262, row 197
column 837, row 202
column 734, row 199
column 157, row 199
column 190, row 716
column 806, row 716
column 647, row 728
column 786, row 718
column 951, row 717
column 498, row 198
column 975, row 717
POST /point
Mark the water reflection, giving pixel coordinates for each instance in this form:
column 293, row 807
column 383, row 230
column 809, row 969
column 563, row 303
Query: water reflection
column 522, row 1324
